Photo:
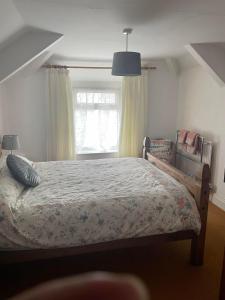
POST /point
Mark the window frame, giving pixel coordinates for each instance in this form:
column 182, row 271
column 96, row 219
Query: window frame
column 116, row 106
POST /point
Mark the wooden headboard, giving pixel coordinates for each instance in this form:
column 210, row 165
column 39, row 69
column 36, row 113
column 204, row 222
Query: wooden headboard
column 192, row 164
column 193, row 186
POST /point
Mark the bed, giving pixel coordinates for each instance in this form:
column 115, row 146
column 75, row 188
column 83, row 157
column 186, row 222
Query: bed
column 90, row 206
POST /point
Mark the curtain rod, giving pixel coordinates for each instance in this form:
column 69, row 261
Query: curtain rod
column 89, row 67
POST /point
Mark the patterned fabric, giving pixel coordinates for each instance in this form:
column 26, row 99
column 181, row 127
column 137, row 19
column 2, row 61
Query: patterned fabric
column 10, row 191
column 196, row 146
column 9, row 187
column 182, row 136
column 191, row 136
column 23, row 171
column 2, row 160
column 161, row 148
column 86, row 202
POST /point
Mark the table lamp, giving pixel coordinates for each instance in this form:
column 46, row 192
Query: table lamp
column 10, row 142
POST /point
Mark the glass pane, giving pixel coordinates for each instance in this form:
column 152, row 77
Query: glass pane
column 96, row 97
column 96, row 129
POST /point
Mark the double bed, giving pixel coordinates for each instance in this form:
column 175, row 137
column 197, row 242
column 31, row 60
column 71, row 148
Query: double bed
column 86, row 206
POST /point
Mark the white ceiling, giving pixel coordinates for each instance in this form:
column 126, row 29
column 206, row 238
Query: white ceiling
column 92, row 28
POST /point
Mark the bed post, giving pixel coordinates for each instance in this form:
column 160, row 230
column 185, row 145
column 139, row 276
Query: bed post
column 146, row 147
column 198, row 242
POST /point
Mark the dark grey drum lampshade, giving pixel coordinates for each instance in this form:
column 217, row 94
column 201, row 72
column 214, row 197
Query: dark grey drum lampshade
column 10, row 142
column 126, row 63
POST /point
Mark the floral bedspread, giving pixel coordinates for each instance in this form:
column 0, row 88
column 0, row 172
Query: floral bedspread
column 86, row 202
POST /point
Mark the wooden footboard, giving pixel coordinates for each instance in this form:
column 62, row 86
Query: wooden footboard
column 200, row 192
column 9, row 257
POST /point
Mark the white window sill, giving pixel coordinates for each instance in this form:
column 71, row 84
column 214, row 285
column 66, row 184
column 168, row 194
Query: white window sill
column 97, row 155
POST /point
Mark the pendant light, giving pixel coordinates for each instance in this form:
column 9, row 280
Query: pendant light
column 126, row 63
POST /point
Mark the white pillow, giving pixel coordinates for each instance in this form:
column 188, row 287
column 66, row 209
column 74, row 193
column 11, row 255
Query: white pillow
column 10, row 189
column 2, row 160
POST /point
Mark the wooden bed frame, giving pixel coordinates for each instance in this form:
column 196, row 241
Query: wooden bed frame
column 200, row 191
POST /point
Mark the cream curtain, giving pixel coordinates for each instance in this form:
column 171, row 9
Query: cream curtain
column 61, row 138
column 134, row 115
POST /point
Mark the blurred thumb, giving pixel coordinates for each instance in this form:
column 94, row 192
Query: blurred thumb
column 90, row 286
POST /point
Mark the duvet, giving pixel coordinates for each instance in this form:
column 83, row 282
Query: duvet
column 87, row 202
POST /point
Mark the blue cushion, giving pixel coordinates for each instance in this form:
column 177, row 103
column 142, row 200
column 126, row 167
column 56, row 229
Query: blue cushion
column 22, row 171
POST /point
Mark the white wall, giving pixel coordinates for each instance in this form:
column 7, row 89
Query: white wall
column 201, row 107
column 1, row 113
column 163, row 86
column 25, row 100
column 25, row 113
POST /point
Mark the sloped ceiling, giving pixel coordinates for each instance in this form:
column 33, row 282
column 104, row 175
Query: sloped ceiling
column 26, row 47
column 92, row 28
column 10, row 20
column 210, row 56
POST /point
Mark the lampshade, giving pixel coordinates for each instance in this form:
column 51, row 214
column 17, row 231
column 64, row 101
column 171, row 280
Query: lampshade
column 10, row 142
column 126, row 63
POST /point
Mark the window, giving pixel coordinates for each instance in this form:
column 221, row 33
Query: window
column 96, row 121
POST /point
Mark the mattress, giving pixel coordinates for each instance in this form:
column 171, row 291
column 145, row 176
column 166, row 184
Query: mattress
column 87, row 202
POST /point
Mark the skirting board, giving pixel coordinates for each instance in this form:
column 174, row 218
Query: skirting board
column 217, row 200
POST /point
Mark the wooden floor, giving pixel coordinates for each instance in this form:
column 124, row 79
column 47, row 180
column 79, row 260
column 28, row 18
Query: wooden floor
column 165, row 269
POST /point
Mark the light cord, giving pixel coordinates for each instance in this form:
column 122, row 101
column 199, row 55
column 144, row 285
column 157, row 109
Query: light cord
column 127, row 41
